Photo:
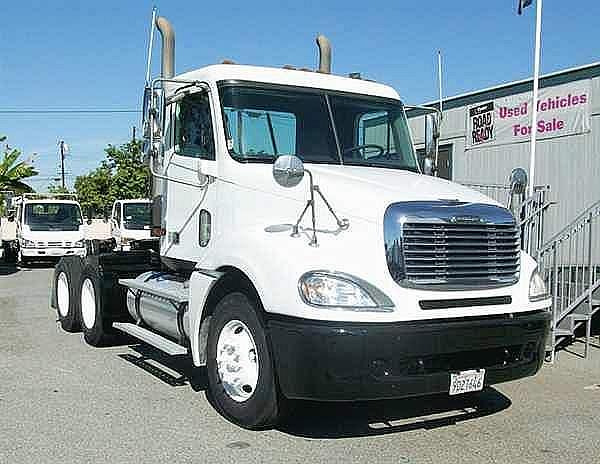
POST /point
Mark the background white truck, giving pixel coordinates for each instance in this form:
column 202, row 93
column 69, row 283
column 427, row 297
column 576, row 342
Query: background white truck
column 302, row 253
column 130, row 222
column 48, row 226
column 8, row 236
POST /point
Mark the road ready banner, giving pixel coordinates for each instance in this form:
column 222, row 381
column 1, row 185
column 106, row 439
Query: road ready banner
column 562, row 110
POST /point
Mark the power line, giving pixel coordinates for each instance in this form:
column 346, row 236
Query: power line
column 67, row 111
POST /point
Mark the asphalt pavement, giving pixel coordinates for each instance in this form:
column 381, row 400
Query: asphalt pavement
column 62, row 401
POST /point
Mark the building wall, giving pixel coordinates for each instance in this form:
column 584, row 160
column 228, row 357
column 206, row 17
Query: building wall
column 570, row 165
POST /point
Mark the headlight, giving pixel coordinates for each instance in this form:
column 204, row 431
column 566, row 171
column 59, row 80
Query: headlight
column 78, row 244
column 27, row 243
column 342, row 291
column 537, row 287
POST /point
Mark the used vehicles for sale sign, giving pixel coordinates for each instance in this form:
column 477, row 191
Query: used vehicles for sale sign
column 562, row 110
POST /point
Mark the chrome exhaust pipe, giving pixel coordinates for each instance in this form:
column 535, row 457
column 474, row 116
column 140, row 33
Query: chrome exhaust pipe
column 167, row 62
column 324, row 54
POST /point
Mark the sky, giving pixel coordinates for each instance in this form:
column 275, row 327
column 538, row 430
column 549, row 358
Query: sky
column 92, row 55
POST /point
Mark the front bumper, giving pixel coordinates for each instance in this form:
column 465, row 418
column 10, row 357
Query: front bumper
column 335, row 361
column 51, row 252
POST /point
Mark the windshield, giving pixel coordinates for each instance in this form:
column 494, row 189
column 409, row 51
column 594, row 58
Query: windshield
column 316, row 126
column 53, row 216
column 137, row 216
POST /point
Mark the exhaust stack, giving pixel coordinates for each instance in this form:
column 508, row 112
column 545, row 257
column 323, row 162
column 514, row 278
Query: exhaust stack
column 324, row 54
column 167, row 62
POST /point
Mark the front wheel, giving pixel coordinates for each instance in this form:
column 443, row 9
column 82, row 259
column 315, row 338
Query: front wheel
column 241, row 378
column 23, row 260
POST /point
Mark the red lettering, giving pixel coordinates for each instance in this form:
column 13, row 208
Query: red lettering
column 583, row 98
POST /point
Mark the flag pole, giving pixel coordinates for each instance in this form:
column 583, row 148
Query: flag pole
column 536, row 79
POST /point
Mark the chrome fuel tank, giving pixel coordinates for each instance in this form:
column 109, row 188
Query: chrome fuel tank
column 160, row 301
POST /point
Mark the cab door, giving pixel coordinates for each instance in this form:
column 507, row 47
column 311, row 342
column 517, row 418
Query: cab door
column 190, row 167
column 115, row 222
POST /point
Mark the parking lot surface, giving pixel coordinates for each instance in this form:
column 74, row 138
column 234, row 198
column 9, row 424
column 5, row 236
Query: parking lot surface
column 62, row 401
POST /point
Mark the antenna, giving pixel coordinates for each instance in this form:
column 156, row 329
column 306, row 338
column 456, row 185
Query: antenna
column 150, row 43
column 437, row 141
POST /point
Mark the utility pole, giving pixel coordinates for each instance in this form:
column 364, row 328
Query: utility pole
column 63, row 150
column 133, row 135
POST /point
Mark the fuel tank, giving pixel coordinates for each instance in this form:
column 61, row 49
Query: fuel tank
column 159, row 300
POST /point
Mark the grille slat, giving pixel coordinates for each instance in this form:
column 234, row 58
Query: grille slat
column 477, row 254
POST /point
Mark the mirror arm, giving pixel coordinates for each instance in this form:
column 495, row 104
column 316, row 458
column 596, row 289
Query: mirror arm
column 178, row 181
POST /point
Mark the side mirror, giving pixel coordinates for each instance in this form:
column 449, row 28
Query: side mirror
column 288, row 170
column 518, row 181
column 432, row 134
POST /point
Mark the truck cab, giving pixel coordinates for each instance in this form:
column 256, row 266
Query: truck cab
column 48, row 226
column 303, row 254
column 130, row 221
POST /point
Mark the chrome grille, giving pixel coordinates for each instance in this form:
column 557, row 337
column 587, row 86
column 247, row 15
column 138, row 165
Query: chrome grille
column 54, row 244
column 460, row 253
column 447, row 244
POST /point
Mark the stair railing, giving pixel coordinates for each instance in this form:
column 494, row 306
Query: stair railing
column 570, row 265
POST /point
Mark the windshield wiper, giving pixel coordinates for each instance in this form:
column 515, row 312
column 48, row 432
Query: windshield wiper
column 382, row 165
column 253, row 159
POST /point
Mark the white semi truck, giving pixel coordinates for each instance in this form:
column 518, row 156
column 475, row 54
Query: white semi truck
column 130, row 222
column 303, row 255
column 48, row 226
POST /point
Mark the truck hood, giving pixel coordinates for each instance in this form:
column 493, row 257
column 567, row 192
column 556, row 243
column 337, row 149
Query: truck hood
column 366, row 192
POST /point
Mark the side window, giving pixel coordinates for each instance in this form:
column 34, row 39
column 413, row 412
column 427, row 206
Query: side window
column 169, row 126
column 375, row 129
column 193, row 127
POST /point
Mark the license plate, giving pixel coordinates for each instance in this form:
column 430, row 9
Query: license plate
column 466, row 381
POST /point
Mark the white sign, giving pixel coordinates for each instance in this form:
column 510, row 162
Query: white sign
column 562, row 110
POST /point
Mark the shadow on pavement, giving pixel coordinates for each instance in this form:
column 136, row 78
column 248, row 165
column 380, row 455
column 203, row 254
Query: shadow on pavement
column 7, row 269
column 311, row 419
column 173, row 370
column 345, row 420
column 45, row 264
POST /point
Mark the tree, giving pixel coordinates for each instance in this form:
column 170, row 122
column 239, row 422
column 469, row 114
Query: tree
column 57, row 189
column 13, row 171
column 130, row 178
column 121, row 175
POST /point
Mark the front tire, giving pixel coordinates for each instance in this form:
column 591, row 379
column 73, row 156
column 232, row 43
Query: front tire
column 23, row 261
column 241, row 377
column 97, row 328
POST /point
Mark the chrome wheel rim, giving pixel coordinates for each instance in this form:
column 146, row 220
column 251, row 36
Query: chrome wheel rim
column 62, row 294
column 237, row 361
column 88, row 303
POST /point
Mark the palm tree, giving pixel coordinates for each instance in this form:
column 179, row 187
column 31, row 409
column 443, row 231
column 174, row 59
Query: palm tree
column 12, row 171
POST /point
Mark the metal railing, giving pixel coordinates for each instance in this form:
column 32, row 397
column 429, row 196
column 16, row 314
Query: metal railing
column 530, row 212
column 570, row 266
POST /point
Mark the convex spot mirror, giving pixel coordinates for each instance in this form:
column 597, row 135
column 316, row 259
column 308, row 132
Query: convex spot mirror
column 518, row 181
column 432, row 135
column 288, row 170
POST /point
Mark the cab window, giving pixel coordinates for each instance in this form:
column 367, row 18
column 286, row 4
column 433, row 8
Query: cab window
column 193, row 127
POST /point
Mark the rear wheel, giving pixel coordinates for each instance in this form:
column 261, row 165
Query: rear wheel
column 241, row 377
column 97, row 328
column 67, row 303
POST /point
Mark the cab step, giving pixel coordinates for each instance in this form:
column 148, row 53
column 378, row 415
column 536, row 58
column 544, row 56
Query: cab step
column 152, row 338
